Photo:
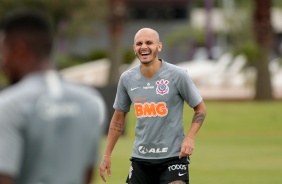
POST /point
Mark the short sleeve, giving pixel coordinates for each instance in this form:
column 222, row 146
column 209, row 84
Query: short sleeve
column 187, row 89
column 11, row 143
column 122, row 100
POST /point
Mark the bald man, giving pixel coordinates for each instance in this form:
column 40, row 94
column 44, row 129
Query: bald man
column 157, row 90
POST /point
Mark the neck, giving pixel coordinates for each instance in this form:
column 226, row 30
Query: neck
column 37, row 66
column 150, row 69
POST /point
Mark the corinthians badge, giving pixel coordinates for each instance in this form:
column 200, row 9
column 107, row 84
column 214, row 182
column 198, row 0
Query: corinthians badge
column 162, row 87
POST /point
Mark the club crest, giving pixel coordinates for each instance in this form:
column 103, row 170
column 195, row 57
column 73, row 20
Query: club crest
column 162, row 87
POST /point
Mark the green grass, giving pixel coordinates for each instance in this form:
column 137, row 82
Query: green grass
column 240, row 142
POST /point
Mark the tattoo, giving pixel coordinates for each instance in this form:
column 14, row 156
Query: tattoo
column 198, row 117
column 117, row 127
column 116, row 130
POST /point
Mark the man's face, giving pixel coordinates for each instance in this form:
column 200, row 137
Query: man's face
column 146, row 46
column 8, row 59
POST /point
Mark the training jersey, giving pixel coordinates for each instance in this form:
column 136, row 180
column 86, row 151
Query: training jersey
column 158, row 104
column 49, row 130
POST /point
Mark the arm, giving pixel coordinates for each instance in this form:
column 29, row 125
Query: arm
column 115, row 130
column 187, row 146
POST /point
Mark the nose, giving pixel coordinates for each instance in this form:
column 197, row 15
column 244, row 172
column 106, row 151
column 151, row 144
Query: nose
column 143, row 46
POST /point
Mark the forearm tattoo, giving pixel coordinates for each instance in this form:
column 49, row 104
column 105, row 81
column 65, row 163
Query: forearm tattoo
column 198, row 117
column 117, row 127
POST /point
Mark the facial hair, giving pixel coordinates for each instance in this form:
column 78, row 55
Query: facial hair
column 155, row 54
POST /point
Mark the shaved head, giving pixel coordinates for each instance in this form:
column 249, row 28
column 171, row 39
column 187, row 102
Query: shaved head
column 147, row 45
column 150, row 31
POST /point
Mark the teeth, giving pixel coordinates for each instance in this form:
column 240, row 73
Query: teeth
column 144, row 52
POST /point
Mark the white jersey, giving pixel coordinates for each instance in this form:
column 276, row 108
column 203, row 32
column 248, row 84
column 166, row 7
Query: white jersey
column 158, row 105
column 49, row 130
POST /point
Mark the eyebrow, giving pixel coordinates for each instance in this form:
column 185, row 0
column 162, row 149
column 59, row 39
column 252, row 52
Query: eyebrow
column 147, row 41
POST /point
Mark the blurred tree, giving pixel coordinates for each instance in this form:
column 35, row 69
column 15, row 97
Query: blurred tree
column 70, row 11
column 263, row 36
column 117, row 13
column 71, row 18
column 59, row 10
column 209, row 30
column 189, row 38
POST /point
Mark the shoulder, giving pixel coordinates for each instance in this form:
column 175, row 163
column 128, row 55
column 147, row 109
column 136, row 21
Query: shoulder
column 174, row 68
column 17, row 93
column 14, row 103
column 175, row 71
column 89, row 99
column 131, row 74
column 7, row 95
column 80, row 90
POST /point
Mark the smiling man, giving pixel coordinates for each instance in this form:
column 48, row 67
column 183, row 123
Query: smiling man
column 157, row 90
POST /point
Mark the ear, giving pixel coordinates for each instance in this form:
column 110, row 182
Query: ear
column 134, row 50
column 21, row 50
column 160, row 46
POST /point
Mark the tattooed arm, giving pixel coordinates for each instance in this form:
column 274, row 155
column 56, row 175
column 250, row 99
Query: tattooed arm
column 115, row 130
column 187, row 146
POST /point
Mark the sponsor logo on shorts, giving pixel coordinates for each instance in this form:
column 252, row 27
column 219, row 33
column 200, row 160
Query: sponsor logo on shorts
column 150, row 150
column 181, row 174
column 162, row 87
column 130, row 172
column 174, row 167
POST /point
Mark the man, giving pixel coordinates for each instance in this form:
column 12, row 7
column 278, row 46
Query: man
column 49, row 128
column 157, row 90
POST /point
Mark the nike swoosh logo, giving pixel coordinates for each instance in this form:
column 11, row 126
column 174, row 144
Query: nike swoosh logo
column 181, row 174
column 132, row 89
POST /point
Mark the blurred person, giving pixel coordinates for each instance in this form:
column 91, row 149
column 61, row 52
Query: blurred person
column 157, row 90
column 49, row 128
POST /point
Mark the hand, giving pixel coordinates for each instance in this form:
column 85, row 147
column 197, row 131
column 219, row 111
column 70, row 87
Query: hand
column 105, row 165
column 187, row 147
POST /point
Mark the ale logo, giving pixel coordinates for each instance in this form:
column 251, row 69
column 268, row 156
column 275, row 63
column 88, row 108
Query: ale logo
column 150, row 109
column 152, row 149
column 162, row 87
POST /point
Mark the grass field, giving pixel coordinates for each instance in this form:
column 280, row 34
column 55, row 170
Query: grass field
column 240, row 142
